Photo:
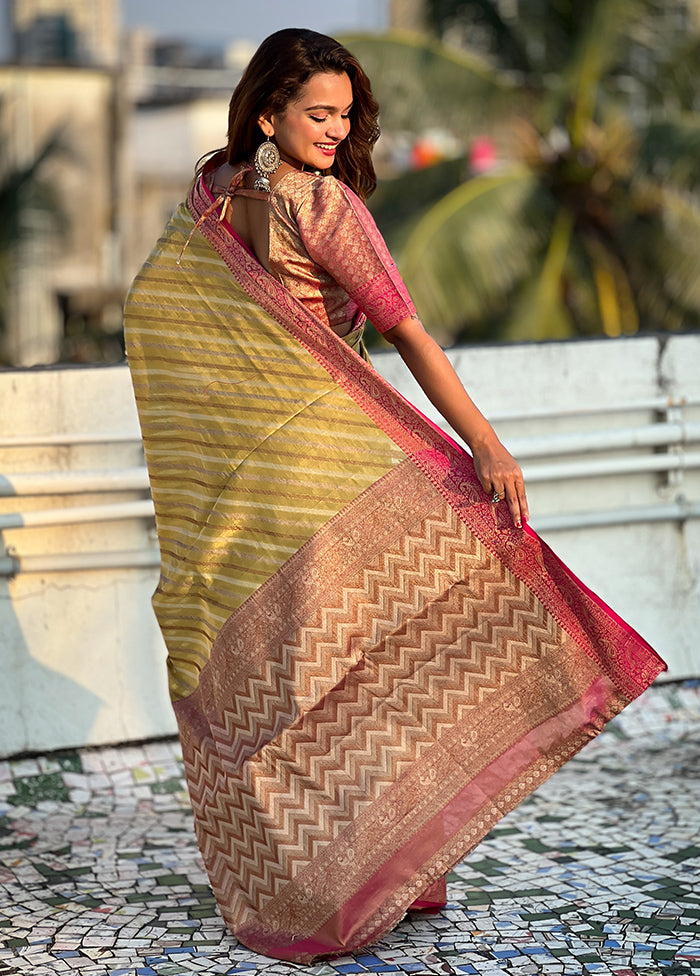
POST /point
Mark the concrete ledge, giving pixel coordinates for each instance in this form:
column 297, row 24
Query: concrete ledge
column 84, row 661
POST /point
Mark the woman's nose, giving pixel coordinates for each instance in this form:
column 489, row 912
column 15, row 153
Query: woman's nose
column 336, row 128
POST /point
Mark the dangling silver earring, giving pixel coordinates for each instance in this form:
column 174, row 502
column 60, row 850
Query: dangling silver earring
column 266, row 161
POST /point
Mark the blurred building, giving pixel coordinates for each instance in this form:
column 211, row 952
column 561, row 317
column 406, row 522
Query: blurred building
column 179, row 97
column 467, row 26
column 66, row 270
column 65, row 31
column 60, row 98
column 165, row 141
column 407, row 15
column 126, row 123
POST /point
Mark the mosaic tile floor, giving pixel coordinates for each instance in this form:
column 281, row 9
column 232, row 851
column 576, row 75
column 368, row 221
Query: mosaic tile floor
column 598, row 872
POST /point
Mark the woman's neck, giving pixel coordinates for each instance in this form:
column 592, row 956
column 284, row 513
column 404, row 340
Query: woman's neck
column 297, row 164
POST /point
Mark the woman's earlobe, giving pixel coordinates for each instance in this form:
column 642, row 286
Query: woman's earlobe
column 266, row 127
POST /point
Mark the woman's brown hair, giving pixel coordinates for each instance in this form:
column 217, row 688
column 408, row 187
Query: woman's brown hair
column 280, row 67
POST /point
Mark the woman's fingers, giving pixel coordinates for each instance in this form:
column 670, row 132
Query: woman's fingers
column 501, row 477
column 513, row 501
column 512, row 490
column 522, row 497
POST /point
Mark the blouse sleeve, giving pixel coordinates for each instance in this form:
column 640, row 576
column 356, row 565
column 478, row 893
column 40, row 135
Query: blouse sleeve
column 339, row 233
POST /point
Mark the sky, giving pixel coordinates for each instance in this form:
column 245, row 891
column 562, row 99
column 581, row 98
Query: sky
column 227, row 20
column 217, row 22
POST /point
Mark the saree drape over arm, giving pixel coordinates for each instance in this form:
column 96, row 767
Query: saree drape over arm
column 369, row 664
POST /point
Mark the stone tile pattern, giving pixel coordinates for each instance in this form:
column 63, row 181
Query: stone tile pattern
column 598, row 872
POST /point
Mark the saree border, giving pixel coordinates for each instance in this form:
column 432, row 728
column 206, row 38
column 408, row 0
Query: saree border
column 465, row 774
column 444, row 463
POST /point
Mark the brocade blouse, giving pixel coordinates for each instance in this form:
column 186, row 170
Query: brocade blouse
column 326, row 250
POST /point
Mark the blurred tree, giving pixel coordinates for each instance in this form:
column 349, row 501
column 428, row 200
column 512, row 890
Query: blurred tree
column 593, row 225
column 24, row 195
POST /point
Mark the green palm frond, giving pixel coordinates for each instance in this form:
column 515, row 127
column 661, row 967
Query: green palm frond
column 596, row 229
column 663, row 56
column 399, row 203
column 660, row 247
column 22, row 188
column 506, row 38
column 616, row 308
column 421, row 84
column 472, row 249
column 670, row 151
column 23, row 191
column 596, row 52
column 540, row 311
column 675, row 81
column 679, row 257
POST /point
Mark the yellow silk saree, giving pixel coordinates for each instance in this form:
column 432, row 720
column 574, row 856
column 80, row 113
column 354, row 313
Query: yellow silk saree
column 369, row 664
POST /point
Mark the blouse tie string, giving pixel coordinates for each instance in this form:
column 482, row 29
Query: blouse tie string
column 223, row 200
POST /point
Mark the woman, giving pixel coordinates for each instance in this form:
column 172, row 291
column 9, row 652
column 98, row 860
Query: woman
column 371, row 657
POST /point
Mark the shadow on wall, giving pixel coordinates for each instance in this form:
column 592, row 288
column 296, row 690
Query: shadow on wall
column 38, row 704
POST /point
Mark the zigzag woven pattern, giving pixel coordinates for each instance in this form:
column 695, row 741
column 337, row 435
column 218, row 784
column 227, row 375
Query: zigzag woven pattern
column 370, row 664
column 307, row 743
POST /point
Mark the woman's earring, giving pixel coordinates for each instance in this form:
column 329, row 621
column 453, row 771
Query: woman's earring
column 266, row 161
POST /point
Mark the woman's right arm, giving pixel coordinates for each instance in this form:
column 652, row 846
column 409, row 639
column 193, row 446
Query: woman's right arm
column 340, row 234
column 495, row 467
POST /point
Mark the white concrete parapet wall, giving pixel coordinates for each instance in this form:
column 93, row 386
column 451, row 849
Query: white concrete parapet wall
column 607, row 431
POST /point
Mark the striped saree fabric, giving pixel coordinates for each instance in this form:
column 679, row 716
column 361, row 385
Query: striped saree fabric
column 369, row 664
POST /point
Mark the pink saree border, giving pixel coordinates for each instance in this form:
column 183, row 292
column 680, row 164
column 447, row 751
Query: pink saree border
column 447, row 466
column 438, row 845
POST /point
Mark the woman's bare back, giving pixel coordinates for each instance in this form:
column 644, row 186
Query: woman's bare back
column 248, row 210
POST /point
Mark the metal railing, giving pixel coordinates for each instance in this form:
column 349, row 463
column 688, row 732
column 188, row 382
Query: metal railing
column 666, row 446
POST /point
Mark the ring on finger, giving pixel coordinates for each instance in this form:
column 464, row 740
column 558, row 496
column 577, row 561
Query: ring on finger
column 497, row 496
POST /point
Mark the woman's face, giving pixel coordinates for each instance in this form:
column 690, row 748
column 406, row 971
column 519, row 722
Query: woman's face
column 311, row 128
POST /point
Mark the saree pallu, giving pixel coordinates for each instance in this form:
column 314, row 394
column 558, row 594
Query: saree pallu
column 369, row 664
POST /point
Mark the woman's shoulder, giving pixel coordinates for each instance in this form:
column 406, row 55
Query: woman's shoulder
column 301, row 189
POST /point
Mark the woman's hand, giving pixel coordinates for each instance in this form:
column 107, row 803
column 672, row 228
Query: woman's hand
column 500, row 474
column 495, row 468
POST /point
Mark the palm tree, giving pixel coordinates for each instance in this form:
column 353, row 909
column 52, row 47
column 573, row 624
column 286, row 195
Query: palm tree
column 593, row 224
column 23, row 194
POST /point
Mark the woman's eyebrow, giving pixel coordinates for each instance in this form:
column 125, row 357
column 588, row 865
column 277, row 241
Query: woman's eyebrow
column 326, row 108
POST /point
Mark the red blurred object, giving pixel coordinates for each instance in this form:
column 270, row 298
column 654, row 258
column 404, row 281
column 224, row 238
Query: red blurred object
column 424, row 153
